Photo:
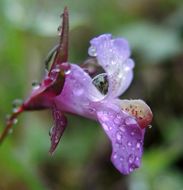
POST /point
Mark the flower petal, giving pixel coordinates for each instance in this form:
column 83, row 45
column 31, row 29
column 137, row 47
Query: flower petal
column 78, row 93
column 137, row 108
column 126, row 137
column 113, row 56
column 60, row 123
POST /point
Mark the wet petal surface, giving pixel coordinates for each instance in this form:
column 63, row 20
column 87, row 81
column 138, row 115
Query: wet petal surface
column 113, row 56
column 126, row 137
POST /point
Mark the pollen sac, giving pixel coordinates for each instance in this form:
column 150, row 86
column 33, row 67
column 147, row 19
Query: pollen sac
column 140, row 110
column 101, row 83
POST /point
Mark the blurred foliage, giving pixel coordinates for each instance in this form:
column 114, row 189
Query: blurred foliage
column 154, row 29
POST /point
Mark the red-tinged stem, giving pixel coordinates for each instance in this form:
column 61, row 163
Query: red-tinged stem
column 62, row 51
column 10, row 122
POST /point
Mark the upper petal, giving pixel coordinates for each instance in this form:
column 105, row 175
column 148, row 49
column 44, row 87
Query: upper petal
column 113, row 56
column 126, row 137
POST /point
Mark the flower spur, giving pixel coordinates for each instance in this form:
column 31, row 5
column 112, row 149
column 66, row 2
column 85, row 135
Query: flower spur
column 69, row 88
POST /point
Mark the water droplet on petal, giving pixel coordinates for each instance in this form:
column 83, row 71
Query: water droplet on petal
column 115, row 156
column 131, row 158
column 132, row 133
column 119, row 136
column 122, row 128
column 67, row 72
column 92, row 51
column 117, row 121
column 51, row 131
column 16, row 103
column 130, row 121
column 138, row 145
column 129, row 144
column 35, row 85
column 121, row 158
column 131, row 169
column 15, row 121
column 78, row 90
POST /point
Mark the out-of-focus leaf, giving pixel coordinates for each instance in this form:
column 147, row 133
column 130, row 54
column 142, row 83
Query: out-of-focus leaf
column 154, row 42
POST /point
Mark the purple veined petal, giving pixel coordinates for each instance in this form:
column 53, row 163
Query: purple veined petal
column 60, row 123
column 113, row 56
column 126, row 137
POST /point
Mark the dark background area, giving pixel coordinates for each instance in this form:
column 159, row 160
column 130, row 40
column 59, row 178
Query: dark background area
column 154, row 29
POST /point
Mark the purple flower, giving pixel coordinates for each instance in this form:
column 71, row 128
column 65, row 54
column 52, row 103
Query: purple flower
column 81, row 90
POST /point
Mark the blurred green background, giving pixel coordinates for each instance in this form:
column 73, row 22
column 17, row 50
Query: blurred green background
column 28, row 30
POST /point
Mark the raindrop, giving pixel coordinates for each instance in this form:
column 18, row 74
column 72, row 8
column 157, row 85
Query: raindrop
column 14, row 121
column 35, row 85
column 55, row 70
column 138, row 145
column 67, row 72
column 131, row 169
column 105, row 127
column 121, row 158
column 92, row 110
column 131, row 158
column 101, row 83
column 115, row 156
column 130, row 121
column 92, row 51
column 129, row 144
column 132, row 133
column 16, row 103
column 117, row 121
column 119, row 136
column 122, row 128
column 78, row 90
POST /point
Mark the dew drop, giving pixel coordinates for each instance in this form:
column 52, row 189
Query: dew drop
column 92, row 110
column 131, row 158
column 35, row 85
column 92, row 51
column 51, row 131
column 138, row 145
column 117, row 121
column 14, row 121
column 119, row 136
column 55, row 70
column 130, row 121
column 131, row 169
column 67, row 72
column 121, row 158
column 129, row 144
column 78, row 90
column 122, row 128
column 105, row 127
column 16, row 103
column 115, row 156
column 132, row 133
column 137, row 158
